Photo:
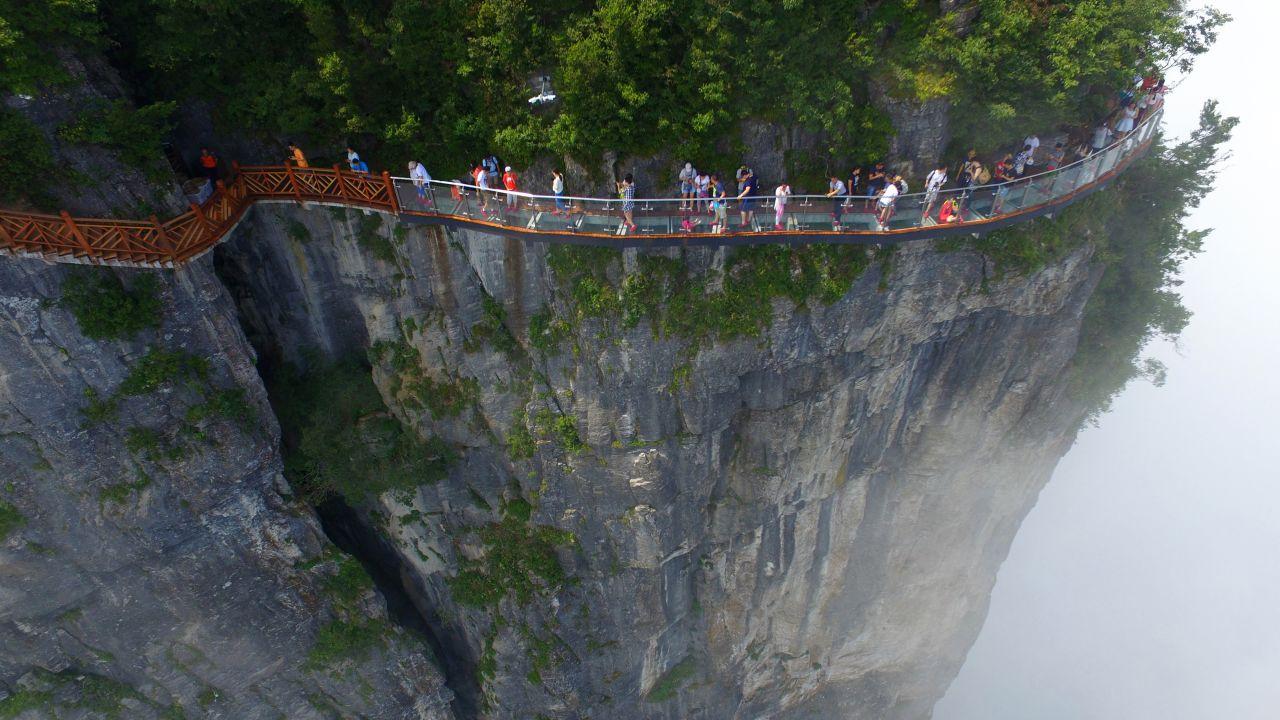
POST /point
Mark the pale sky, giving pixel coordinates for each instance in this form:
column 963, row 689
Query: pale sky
column 1145, row 583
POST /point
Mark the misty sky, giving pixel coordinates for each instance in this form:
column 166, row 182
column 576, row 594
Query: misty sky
column 1146, row 581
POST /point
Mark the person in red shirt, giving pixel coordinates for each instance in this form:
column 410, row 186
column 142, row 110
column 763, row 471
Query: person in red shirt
column 209, row 165
column 509, row 182
column 1002, row 176
column 949, row 212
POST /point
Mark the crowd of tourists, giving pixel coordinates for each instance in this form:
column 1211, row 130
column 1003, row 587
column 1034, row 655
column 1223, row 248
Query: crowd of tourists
column 873, row 189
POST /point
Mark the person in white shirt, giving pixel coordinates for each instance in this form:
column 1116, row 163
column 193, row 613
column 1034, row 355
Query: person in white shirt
column 1034, row 142
column 703, row 184
column 557, row 188
column 780, row 204
column 1101, row 135
column 420, row 177
column 482, row 182
column 837, row 190
column 888, row 197
column 1022, row 161
column 932, row 184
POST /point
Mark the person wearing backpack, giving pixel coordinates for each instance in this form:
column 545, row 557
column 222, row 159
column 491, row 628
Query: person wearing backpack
column 932, row 184
column 688, row 185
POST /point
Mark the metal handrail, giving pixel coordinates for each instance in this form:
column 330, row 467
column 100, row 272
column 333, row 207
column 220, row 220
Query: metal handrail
column 173, row 242
column 1148, row 122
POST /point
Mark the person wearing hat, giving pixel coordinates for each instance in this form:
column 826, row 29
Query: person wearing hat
column 688, row 187
column 509, row 182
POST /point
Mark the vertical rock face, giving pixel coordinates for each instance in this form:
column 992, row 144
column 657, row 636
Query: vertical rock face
column 921, row 131
column 805, row 524
column 94, row 181
column 152, row 560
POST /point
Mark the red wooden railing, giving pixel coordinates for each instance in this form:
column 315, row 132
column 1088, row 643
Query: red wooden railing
column 172, row 242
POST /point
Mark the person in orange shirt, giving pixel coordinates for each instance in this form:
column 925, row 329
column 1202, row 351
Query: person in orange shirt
column 295, row 156
column 209, row 165
column 509, row 182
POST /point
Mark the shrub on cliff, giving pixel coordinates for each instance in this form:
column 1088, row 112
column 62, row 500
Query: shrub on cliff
column 340, row 439
column 106, row 310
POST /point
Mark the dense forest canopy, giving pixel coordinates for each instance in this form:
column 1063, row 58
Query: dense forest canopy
column 449, row 79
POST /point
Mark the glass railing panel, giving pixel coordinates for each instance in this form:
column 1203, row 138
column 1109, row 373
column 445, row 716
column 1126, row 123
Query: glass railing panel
column 1109, row 159
column 905, row 212
column 594, row 221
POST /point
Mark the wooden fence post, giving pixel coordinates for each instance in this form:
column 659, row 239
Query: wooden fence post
column 391, row 192
column 165, row 243
column 6, row 238
column 204, row 221
column 342, row 184
column 293, row 181
column 75, row 233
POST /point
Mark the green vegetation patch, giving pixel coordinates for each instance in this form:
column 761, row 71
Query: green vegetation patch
column 519, row 560
column 680, row 304
column 413, row 388
column 352, row 635
column 520, row 442
column 159, row 367
column 340, row 641
column 27, row 168
column 72, row 690
column 228, row 403
column 369, row 236
column 492, row 329
column 672, row 680
column 546, row 332
column 97, row 408
column 119, row 493
column 136, row 133
column 153, row 445
column 348, row 583
column 340, row 439
column 10, row 519
column 107, row 310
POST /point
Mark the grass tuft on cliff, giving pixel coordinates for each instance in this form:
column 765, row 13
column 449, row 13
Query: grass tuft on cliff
column 519, row 560
column 10, row 520
column 107, row 310
column 678, row 303
column 667, row 686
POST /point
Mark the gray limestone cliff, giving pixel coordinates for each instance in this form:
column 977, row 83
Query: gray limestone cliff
column 803, row 524
column 154, row 563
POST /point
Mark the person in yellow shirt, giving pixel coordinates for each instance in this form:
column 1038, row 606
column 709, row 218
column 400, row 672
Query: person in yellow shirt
column 295, row 156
